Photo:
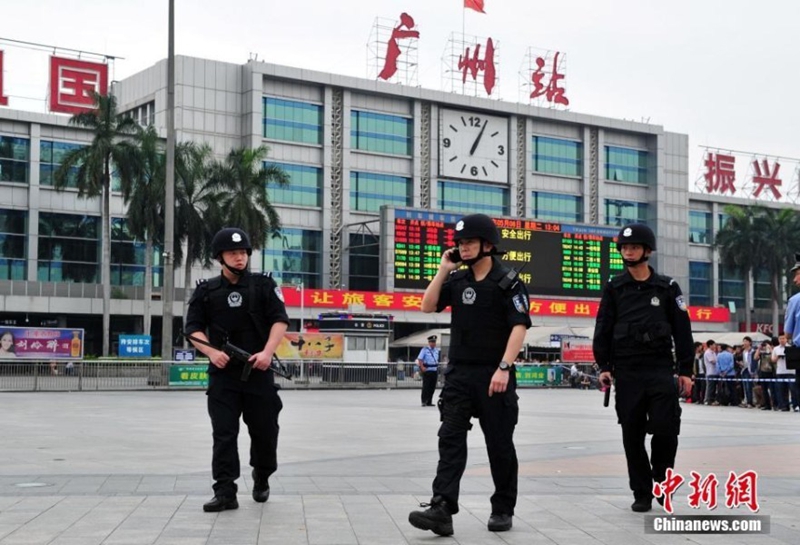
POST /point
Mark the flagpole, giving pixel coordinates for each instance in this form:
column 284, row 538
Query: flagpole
column 463, row 38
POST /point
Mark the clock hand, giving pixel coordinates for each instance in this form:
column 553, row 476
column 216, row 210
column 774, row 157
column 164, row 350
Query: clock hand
column 478, row 140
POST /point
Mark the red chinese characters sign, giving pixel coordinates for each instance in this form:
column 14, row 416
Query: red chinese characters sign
column 552, row 91
column 764, row 176
column 410, row 301
column 720, row 174
column 403, row 31
column 472, row 64
column 72, row 83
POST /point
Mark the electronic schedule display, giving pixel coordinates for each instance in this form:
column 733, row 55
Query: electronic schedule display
column 554, row 258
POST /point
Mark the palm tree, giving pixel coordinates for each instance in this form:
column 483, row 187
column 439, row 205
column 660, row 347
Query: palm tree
column 242, row 181
column 145, row 200
column 93, row 164
column 194, row 198
column 778, row 234
column 736, row 249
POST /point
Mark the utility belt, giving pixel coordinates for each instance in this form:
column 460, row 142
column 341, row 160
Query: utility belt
column 649, row 334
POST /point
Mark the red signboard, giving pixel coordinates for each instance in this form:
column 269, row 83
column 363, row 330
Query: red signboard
column 552, row 91
column 411, row 301
column 473, row 64
column 403, row 31
column 72, row 83
column 3, row 97
column 720, row 175
column 577, row 350
column 765, row 176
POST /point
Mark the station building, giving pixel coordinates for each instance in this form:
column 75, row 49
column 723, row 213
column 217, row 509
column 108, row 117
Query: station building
column 352, row 147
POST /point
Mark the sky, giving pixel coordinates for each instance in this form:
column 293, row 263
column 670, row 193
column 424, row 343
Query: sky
column 726, row 73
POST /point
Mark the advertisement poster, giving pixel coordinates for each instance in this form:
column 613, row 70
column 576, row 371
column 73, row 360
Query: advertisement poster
column 577, row 351
column 41, row 343
column 311, row 346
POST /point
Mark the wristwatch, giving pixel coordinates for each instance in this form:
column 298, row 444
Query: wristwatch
column 504, row 366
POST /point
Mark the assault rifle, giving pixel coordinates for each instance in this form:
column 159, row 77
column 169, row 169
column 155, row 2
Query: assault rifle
column 236, row 353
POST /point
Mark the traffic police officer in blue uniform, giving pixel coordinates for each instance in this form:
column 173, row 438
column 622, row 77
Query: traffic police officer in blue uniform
column 490, row 314
column 248, row 311
column 641, row 315
column 428, row 361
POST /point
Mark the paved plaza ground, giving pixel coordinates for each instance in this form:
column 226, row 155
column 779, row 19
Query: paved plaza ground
column 133, row 468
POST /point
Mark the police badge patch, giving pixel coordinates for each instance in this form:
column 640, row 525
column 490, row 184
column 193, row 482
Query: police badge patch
column 521, row 303
column 235, row 299
column 279, row 294
column 681, row 303
column 655, row 301
column 468, row 297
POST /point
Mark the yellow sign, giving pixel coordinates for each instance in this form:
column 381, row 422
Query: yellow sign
column 311, row 346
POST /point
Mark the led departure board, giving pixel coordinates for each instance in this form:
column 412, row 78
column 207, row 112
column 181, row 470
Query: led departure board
column 553, row 258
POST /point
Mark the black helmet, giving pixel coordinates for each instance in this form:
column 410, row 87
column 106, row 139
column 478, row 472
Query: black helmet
column 230, row 238
column 636, row 233
column 477, row 226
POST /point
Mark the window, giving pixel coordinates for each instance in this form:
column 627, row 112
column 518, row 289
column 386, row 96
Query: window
column 470, row 198
column 700, row 227
column 700, row 283
column 12, row 244
column 556, row 156
column 381, row 133
column 620, row 212
column 304, row 189
column 294, row 257
column 364, row 263
column 626, row 165
column 69, row 248
column 731, row 287
column 762, row 289
column 368, row 191
column 14, row 157
column 128, row 256
column 557, row 207
column 51, row 155
column 292, row 121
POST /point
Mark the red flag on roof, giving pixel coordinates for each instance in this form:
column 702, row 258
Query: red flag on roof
column 477, row 5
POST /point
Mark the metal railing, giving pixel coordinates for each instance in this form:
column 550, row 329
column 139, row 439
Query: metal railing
column 162, row 375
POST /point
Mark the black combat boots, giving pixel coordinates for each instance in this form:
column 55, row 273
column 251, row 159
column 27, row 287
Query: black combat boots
column 260, row 488
column 221, row 503
column 438, row 517
column 499, row 523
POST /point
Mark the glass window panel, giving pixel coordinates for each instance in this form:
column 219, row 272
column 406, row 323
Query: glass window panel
column 304, row 189
column 292, row 120
column 364, row 262
column 626, row 165
column 381, row 133
column 700, row 231
column 369, row 191
column 294, row 257
column 557, row 207
column 619, row 212
column 557, row 156
column 700, row 283
column 470, row 198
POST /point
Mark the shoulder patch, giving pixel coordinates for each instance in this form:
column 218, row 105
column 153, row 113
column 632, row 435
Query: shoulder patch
column 681, row 303
column 279, row 294
column 521, row 303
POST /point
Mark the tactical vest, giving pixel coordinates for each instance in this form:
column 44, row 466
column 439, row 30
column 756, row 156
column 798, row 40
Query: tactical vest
column 479, row 323
column 643, row 316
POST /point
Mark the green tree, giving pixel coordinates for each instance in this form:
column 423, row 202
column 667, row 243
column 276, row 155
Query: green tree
column 735, row 245
column 144, row 196
column 241, row 181
column 194, row 200
column 94, row 162
column 778, row 234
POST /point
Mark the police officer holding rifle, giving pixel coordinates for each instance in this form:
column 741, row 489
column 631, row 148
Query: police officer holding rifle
column 641, row 313
column 247, row 311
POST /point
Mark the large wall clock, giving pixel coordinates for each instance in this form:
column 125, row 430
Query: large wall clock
column 473, row 146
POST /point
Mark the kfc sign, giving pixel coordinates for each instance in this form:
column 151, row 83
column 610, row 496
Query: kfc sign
column 72, row 83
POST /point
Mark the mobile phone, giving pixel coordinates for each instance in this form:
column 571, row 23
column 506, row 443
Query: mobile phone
column 454, row 256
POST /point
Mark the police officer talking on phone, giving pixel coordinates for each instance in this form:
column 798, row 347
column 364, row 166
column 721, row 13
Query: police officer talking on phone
column 248, row 311
column 641, row 313
column 488, row 322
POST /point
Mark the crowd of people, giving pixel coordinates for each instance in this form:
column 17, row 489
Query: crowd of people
column 744, row 375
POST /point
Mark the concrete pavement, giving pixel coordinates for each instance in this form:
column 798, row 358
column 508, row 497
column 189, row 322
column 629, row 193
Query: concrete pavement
column 133, row 468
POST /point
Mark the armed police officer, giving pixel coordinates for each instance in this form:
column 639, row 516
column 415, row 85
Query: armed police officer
column 246, row 310
column 641, row 313
column 489, row 317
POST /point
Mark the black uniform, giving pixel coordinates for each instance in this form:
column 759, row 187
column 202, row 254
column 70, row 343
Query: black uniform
column 483, row 314
column 244, row 313
column 636, row 325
